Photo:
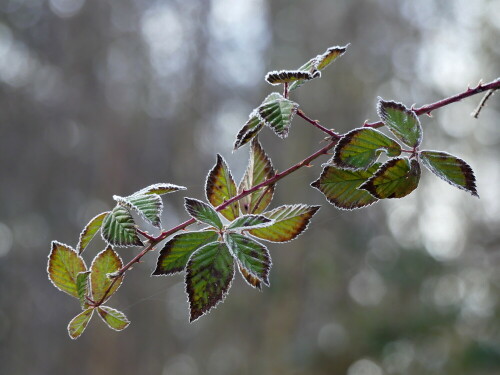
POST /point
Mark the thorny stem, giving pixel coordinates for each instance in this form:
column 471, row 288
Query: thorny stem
column 426, row 109
column 482, row 103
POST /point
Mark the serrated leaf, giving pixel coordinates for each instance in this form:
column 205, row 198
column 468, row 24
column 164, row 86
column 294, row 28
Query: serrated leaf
column 287, row 76
column 78, row 324
column 113, row 318
column 251, row 128
column 401, row 121
column 202, row 212
column 259, row 170
column 63, row 268
column 90, row 231
column 160, row 189
column 220, row 187
column 361, row 147
column 251, row 255
column 251, row 280
column 176, row 252
column 451, row 169
column 148, row 206
column 340, row 186
column 82, row 288
column 318, row 63
column 106, row 262
column 395, row 179
column 210, row 271
column 289, row 222
column 118, row 228
column 250, row 222
column 278, row 113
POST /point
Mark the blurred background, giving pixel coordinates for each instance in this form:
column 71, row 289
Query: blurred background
column 105, row 97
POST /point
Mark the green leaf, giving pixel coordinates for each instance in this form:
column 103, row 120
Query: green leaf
column 277, row 112
column 149, row 206
column 82, row 288
column 203, row 212
column 250, row 222
column 160, row 189
column 401, row 121
column 176, row 252
column 318, row 63
column 289, row 222
column 63, row 268
column 451, row 169
column 361, row 147
column 79, row 323
column 113, row 318
column 118, row 228
column 106, row 262
column 259, row 170
column 287, row 76
column 251, row 255
column 250, row 279
column 251, row 128
column 210, row 271
column 90, row 231
column 395, row 179
column 220, row 187
column 340, row 186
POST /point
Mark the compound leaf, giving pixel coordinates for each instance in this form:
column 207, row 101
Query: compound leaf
column 82, row 288
column 289, row 222
column 113, row 318
column 78, row 324
column 106, row 262
column 340, row 186
column 287, row 76
column 401, row 121
column 250, row 222
column 220, row 187
column 90, row 231
column 361, row 147
column 202, row 212
column 118, row 228
column 451, row 169
column 277, row 112
column 176, row 252
column 160, row 189
column 210, row 271
column 63, row 268
column 148, row 206
column 259, row 170
column 251, row 255
column 251, row 128
column 395, row 179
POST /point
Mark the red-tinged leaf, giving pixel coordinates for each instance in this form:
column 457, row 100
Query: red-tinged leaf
column 401, row 121
column 106, row 262
column 176, row 252
column 259, row 170
column 251, row 128
column 340, row 186
column 202, row 212
column 289, row 222
column 361, row 147
column 118, row 228
column 250, row 254
column 160, row 189
column 252, row 281
column 210, row 271
column 451, row 169
column 63, row 268
column 90, row 231
column 277, row 112
column 287, row 76
column 78, row 324
column 148, row 206
column 220, row 187
column 395, row 179
column 113, row 318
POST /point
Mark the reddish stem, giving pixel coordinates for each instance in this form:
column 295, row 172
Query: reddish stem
column 316, row 123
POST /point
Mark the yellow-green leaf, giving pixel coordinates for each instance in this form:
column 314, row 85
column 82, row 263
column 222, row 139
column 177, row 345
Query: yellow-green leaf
column 113, row 318
column 220, row 187
column 63, row 268
column 289, row 222
column 78, row 324
column 118, row 228
column 106, row 262
column 395, row 179
column 250, row 279
column 451, row 169
column 401, row 121
column 259, row 170
column 82, row 288
column 90, row 231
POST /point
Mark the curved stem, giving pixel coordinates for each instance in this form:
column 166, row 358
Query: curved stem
column 316, row 123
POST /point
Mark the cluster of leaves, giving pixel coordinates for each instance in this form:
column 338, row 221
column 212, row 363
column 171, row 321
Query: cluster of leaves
column 353, row 178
